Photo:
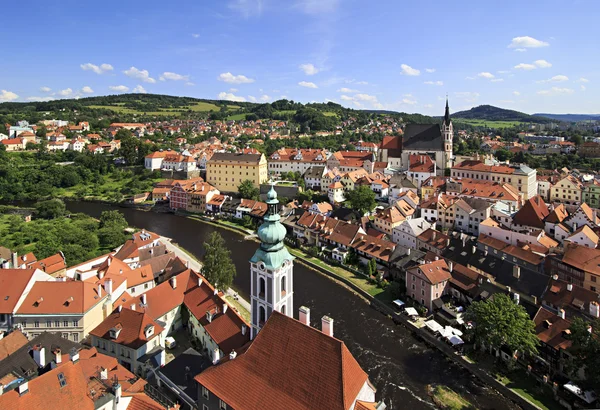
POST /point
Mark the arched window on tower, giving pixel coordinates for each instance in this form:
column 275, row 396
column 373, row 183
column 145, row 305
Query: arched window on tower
column 261, row 288
column 283, row 309
column 262, row 316
column 283, row 288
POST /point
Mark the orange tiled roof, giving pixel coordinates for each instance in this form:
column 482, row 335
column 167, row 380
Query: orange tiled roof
column 11, row 343
column 12, row 286
column 60, row 298
column 132, row 325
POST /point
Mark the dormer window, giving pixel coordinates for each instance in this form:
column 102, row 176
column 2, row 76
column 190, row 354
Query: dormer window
column 149, row 330
column 115, row 331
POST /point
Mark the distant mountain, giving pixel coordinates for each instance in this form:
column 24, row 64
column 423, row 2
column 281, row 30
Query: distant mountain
column 491, row 113
column 571, row 117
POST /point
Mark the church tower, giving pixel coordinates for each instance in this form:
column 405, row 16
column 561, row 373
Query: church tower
column 271, row 270
column 448, row 134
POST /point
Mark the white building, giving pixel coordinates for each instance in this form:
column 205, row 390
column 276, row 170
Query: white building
column 406, row 233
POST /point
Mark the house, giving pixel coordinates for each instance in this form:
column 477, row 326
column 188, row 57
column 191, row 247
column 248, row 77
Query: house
column 279, row 368
column 15, row 285
column 407, row 232
column 226, row 171
column 584, row 215
column 584, row 236
column 132, row 337
column 296, row 160
column 487, row 190
column 570, row 301
column 313, row 177
column 432, row 187
column 348, row 161
column 553, row 332
column 536, row 238
column 433, row 241
column 568, row 190
column 427, row 282
column 329, row 177
column 129, row 251
column 466, row 214
column 72, row 308
column 14, row 144
column 178, row 376
column 388, row 219
column 532, row 214
column 578, row 265
column 420, row 168
column 336, row 193
column 154, row 160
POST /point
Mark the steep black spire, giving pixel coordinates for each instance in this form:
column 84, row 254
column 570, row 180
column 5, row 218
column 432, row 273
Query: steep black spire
column 447, row 114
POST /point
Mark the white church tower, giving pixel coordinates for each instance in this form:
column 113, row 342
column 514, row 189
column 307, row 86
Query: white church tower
column 271, row 270
column 447, row 134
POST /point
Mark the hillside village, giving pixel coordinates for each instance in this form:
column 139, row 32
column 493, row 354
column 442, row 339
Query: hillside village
column 438, row 229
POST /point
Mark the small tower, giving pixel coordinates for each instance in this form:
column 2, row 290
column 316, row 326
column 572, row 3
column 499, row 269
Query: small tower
column 448, row 135
column 271, row 270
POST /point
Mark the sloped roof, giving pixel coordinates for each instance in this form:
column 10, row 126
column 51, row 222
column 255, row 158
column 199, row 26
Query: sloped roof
column 11, row 343
column 582, row 257
column 422, row 137
column 532, row 213
column 12, row 285
column 60, row 298
column 288, row 366
column 550, row 329
column 435, row 271
column 132, row 325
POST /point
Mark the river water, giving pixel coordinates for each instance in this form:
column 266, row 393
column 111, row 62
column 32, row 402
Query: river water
column 398, row 365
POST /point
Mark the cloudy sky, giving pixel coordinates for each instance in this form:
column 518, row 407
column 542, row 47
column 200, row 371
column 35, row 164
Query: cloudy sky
column 532, row 56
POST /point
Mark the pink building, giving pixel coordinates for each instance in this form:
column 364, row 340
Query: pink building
column 426, row 283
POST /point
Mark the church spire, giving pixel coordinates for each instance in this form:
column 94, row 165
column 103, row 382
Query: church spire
column 447, row 113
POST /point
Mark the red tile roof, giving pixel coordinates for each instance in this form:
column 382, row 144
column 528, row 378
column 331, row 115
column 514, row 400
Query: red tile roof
column 288, row 366
column 132, row 325
column 435, row 271
column 51, row 264
column 60, row 297
column 12, row 286
column 551, row 329
column 532, row 213
column 11, row 343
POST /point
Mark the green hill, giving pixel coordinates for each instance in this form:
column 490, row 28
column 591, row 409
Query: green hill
column 571, row 117
column 490, row 113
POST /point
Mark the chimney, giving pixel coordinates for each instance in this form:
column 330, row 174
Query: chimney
column 535, row 299
column 15, row 259
column 216, row 355
column 408, row 251
column 433, row 236
column 57, row 356
column 569, row 287
column 39, row 355
column 517, row 271
column 108, row 286
column 117, row 391
column 508, row 289
column 144, row 299
column 75, row 357
column 516, row 297
column 450, row 266
column 101, row 275
column 216, row 291
column 473, row 249
column 594, row 310
column 561, row 313
column 174, row 282
column 448, row 242
column 232, row 355
column 100, row 290
column 199, row 282
column 108, row 260
column 554, row 277
column 23, row 388
column 120, row 308
column 132, row 307
column 304, row 315
column 244, row 329
column 327, row 325
column 574, row 228
column 103, row 374
column 225, row 307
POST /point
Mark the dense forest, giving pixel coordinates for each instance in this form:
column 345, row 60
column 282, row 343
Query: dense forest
column 491, row 113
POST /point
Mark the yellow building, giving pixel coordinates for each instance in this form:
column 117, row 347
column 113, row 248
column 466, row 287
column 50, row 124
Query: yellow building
column 226, row 171
column 568, row 191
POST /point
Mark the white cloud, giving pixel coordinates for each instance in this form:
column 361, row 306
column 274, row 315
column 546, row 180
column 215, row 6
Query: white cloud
column 556, row 91
column 264, row 98
column 408, row 101
column 119, row 88
column 101, row 69
column 346, row 90
column 428, row 106
column 309, row 69
column 527, row 42
column 230, row 97
column 358, row 100
column 521, row 50
column 65, row 93
column 497, row 80
column 366, row 97
column 516, row 93
column 247, row 8
column 317, row 6
column 582, row 87
column 174, row 76
column 45, row 89
column 468, row 96
column 307, row 84
column 524, row 66
column 87, row 90
column 140, row 90
column 430, row 70
column 346, row 98
column 408, row 70
column 542, row 64
column 503, row 71
column 555, row 79
column 486, row 74
column 195, row 35
column 470, row 78
column 234, row 79
column 41, row 99
column 583, row 80
column 143, row 75
column 434, row 82
column 190, row 84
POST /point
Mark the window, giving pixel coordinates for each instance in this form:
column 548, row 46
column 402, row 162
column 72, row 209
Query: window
column 205, row 392
column 57, row 323
column 49, row 323
column 204, row 407
column 66, row 323
column 75, row 337
column 36, row 324
column 75, row 323
column 146, row 286
column 261, row 287
column 222, row 405
column 422, row 292
column 283, row 290
column 262, row 316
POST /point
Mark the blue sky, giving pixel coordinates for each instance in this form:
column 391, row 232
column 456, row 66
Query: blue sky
column 532, row 56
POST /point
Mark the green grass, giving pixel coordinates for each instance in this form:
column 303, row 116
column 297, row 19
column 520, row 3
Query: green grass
column 241, row 310
column 526, row 387
column 329, row 114
column 486, row 123
column 101, row 191
column 446, row 398
column 197, row 107
column 237, row 117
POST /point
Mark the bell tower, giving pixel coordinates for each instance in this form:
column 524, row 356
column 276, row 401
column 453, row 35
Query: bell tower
column 271, row 270
column 448, row 135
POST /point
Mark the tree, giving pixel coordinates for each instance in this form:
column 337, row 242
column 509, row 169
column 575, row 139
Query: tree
column 501, row 322
column 129, row 147
column 53, row 208
column 362, row 199
column 113, row 218
column 218, row 268
column 577, row 140
column 585, row 349
column 248, row 190
column 373, row 267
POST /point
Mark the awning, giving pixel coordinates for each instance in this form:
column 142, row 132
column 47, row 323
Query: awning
column 398, row 303
column 454, row 331
column 410, row 311
column 434, row 326
column 455, row 340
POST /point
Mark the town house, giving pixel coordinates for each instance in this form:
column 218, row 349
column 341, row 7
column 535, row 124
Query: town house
column 427, row 282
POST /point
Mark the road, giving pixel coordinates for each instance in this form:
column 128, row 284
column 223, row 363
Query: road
column 197, row 266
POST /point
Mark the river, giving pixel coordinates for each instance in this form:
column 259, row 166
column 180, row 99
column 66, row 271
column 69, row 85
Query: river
column 398, row 365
